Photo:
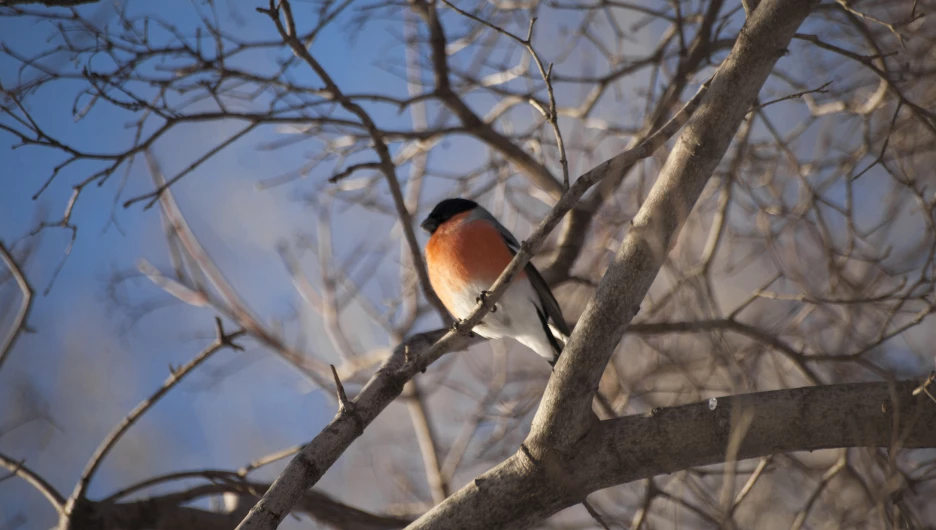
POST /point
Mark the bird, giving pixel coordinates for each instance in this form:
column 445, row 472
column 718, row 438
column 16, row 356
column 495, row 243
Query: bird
column 467, row 251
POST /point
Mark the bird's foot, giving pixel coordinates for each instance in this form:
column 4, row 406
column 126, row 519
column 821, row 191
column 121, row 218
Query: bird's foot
column 483, row 299
column 459, row 327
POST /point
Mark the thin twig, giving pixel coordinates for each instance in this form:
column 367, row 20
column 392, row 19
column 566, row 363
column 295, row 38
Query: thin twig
column 925, row 116
column 749, row 485
column 819, row 90
column 546, row 73
column 214, row 475
column 155, row 195
column 740, row 424
column 35, row 480
column 223, row 340
column 538, row 173
column 826, row 477
column 891, row 27
column 343, row 403
column 64, row 222
column 924, row 387
column 287, row 30
column 640, row 517
column 595, row 515
column 351, row 169
column 231, row 303
column 269, row 459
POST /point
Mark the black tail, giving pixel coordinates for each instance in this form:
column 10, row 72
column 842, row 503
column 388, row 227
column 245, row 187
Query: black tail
column 553, row 340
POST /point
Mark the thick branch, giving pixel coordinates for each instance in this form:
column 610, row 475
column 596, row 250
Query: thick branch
column 518, row 493
column 798, row 419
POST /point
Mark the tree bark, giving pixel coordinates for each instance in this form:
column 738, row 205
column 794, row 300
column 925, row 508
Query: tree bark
column 520, row 492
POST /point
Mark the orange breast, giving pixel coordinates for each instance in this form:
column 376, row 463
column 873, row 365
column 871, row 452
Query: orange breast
column 461, row 253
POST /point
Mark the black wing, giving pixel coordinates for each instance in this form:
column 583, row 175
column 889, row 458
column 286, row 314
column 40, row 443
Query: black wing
column 547, row 300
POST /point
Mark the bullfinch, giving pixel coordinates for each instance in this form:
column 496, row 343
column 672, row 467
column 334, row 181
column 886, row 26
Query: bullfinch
column 466, row 252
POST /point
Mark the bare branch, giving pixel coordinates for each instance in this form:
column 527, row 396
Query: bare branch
column 550, row 114
column 626, row 449
column 426, row 438
column 343, row 403
column 595, row 515
column 287, row 30
column 20, row 470
column 231, row 303
column 174, row 510
column 19, row 322
column 75, row 501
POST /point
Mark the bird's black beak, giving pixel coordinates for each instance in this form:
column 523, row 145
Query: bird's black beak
column 429, row 224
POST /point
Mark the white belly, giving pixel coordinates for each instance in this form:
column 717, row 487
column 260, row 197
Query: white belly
column 516, row 316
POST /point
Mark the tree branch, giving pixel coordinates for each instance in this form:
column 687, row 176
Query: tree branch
column 287, row 30
column 6, row 345
column 73, row 507
column 169, row 511
column 536, row 172
column 348, row 424
column 516, row 494
column 35, row 480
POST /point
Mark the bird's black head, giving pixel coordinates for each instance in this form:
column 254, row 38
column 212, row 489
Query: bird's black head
column 444, row 211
